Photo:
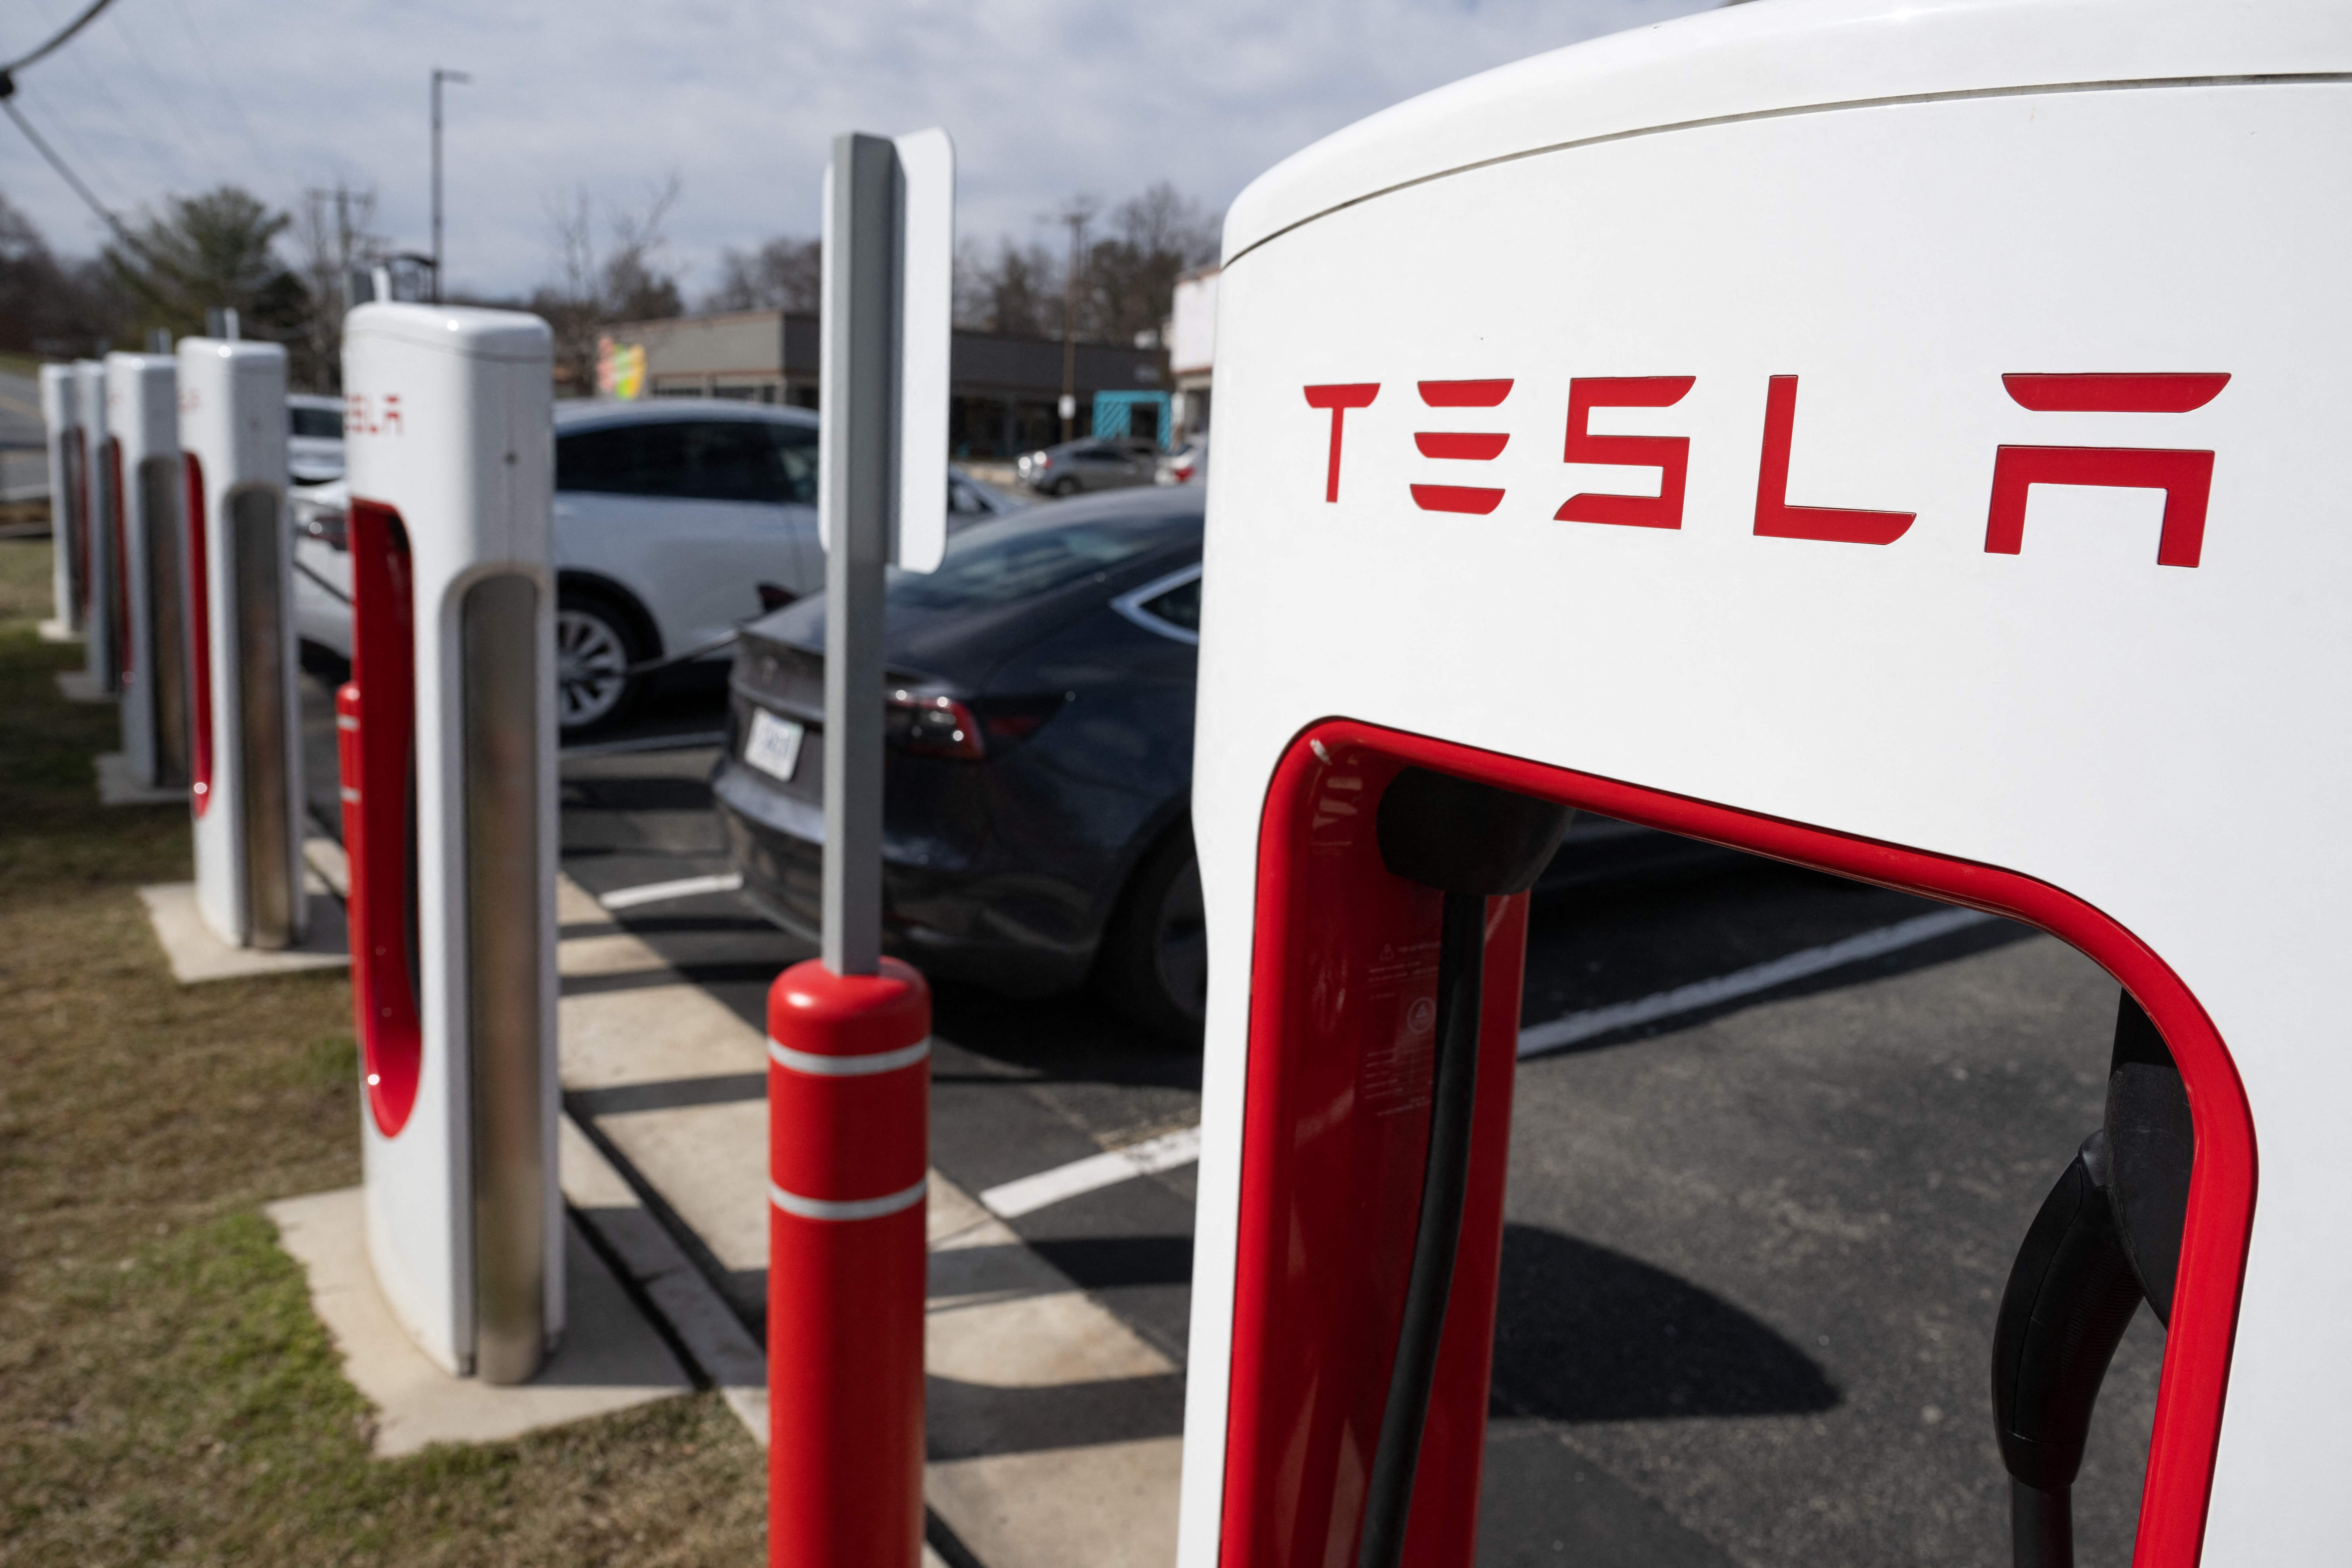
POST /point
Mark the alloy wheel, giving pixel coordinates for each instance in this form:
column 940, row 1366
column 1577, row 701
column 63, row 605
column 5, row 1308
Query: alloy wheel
column 592, row 661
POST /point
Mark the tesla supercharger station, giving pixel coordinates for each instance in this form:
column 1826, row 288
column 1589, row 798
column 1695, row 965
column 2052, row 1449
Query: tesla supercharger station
column 143, row 423
column 68, row 521
column 447, row 734
column 1799, row 427
column 102, row 589
column 245, row 760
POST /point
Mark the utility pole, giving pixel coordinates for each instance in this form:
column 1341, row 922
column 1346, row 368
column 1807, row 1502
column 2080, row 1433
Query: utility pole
column 1075, row 214
column 439, row 75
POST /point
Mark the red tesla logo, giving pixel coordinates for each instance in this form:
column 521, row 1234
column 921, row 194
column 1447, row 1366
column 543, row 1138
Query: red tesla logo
column 2184, row 477
column 365, row 414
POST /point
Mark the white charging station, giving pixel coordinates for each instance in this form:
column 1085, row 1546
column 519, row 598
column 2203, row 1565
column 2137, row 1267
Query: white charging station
column 68, row 520
column 143, row 422
column 245, row 725
column 449, row 747
column 1900, row 438
column 102, row 588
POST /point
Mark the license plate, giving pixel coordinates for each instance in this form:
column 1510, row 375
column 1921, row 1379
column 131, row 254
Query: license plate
column 774, row 744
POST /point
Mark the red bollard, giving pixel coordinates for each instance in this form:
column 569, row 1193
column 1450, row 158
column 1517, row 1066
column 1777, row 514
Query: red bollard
column 848, row 1149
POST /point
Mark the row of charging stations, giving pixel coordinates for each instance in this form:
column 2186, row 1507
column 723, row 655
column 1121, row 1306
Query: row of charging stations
column 176, row 557
column 1517, row 507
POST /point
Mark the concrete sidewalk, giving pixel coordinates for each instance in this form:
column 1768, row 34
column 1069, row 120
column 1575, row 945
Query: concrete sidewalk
column 1054, row 1428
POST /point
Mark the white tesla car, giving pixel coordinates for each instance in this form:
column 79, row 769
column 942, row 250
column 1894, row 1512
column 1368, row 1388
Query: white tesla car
column 676, row 520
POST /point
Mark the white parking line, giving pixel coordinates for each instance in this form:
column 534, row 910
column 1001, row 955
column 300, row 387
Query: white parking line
column 1031, row 1193
column 661, row 892
column 1691, row 998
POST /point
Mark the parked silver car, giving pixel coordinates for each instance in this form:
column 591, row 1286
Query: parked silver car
column 1088, row 465
column 1187, row 464
column 674, row 519
column 314, row 438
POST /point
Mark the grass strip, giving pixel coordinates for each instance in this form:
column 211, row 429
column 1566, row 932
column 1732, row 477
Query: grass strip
column 166, row 1396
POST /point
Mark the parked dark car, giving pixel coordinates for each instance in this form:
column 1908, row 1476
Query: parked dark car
column 1040, row 757
column 1038, row 777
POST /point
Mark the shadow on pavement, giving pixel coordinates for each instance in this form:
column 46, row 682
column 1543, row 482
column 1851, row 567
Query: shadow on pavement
column 1586, row 1333
column 968, row 1421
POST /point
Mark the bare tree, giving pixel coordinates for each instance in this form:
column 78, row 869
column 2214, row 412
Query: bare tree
column 1017, row 292
column 50, row 305
column 1129, row 278
column 784, row 274
column 334, row 233
column 1126, row 276
column 597, row 286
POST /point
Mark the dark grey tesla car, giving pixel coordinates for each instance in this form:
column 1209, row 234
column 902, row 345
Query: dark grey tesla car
column 1037, row 785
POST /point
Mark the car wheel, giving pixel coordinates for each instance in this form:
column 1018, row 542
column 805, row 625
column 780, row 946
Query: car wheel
column 1154, row 966
column 594, row 645
column 1061, row 488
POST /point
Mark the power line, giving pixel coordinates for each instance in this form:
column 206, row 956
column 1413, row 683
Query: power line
column 40, row 144
column 70, row 144
column 190, row 133
column 76, row 25
column 236, row 104
column 98, row 85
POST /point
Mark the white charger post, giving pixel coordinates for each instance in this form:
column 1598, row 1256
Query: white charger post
column 246, row 761
column 447, row 735
column 2030, row 603
column 68, row 519
column 144, row 419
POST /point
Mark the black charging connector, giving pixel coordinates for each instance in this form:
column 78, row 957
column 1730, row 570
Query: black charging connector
column 1470, row 842
column 2106, row 1237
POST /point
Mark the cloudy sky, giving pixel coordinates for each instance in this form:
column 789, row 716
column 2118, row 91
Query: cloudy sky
column 1044, row 98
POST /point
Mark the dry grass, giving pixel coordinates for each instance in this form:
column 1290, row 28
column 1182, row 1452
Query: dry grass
column 165, row 1394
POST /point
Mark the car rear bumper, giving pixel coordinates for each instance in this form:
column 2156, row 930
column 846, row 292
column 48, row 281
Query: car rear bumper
column 1002, row 930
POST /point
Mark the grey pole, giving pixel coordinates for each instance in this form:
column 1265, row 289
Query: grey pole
column 860, row 414
column 439, row 75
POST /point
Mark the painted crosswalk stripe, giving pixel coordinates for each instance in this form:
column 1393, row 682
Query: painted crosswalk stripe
column 661, row 892
column 1593, row 1022
column 1031, row 1193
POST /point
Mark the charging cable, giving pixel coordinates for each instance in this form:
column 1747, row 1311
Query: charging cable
column 1470, row 842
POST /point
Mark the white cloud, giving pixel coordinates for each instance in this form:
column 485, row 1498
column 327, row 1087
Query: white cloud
column 1044, row 98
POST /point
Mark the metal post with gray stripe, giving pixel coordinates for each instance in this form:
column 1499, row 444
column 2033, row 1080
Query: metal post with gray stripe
column 849, row 1032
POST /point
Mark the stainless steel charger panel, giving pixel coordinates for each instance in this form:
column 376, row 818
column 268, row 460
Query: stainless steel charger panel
column 499, row 639
column 167, row 620
column 257, row 547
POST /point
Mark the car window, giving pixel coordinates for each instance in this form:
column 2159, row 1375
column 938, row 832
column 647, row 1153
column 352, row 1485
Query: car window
column 730, row 459
column 1179, row 606
column 963, row 500
column 796, row 454
column 321, row 422
column 1002, row 562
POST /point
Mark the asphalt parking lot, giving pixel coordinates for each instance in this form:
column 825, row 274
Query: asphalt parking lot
column 1754, row 1244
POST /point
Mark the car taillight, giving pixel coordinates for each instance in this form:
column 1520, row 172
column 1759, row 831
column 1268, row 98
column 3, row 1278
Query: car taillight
column 933, row 726
column 930, row 725
column 1183, row 473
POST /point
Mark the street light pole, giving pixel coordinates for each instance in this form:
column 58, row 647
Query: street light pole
column 1075, row 216
column 439, row 75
